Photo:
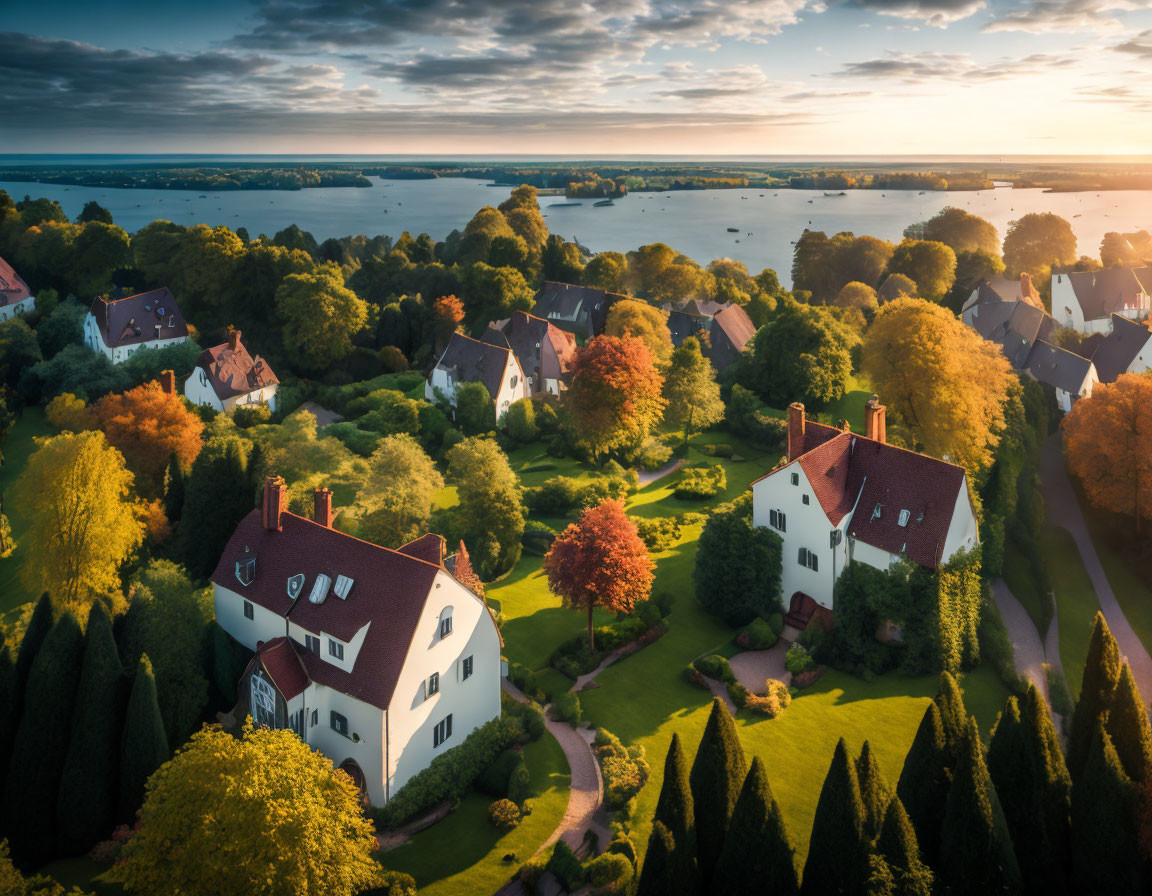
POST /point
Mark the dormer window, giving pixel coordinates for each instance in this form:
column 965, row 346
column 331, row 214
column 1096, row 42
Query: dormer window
column 320, row 589
column 343, row 586
column 335, row 649
column 904, row 516
column 877, row 511
column 246, row 568
column 295, row 585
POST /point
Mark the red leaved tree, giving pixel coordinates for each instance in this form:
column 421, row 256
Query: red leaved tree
column 615, row 398
column 600, row 561
column 447, row 315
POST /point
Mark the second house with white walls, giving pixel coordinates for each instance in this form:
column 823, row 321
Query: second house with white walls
column 379, row 659
column 468, row 360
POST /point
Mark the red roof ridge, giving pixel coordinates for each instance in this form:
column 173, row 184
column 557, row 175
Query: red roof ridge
column 370, row 544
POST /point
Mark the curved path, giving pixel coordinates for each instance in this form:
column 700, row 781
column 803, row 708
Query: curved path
column 1063, row 510
column 644, row 478
column 1026, row 643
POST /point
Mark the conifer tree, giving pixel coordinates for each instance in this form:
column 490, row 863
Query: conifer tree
column 896, row 846
column 174, row 490
column 7, row 701
column 33, row 781
column 1101, row 674
column 217, row 496
column 43, row 617
column 88, row 786
column 1127, row 726
column 1055, row 785
column 924, row 782
column 1105, row 856
column 658, row 876
column 674, row 809
column 875, row 793
column 838, row 853
column 953, row 716
column 717, row 776
column 756, row 857
column 976, row 854
column 143, row 745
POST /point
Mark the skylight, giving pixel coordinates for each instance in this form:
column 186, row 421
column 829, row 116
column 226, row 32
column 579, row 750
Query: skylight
column 320, row 589
column 904, row 515
column 295, row 585
column 343, row 586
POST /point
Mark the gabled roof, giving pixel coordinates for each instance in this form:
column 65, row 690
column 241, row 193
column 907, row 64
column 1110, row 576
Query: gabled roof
column 735, row 324
column 472, row 361
column 703, row 307
column 12, row 288
column 1058, row 367
column 430, row 548
column 826, row 467
column 567, row 300
column 388, row 595
column 1116, row 352
column 526, row 335
column 1000, row 289
column 282, row 662
column 1106, row 292
column 233, row 372
column 1015, row 326
column 134, row 319
column 681, row 325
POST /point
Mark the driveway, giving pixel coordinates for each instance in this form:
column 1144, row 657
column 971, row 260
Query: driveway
column 1026, row 643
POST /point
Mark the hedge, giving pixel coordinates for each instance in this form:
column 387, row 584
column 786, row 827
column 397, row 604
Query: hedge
column 699, row 483
column 624, row 769
column 714, row 666
column 566, row 867
column 758, row 635
column 567, row 707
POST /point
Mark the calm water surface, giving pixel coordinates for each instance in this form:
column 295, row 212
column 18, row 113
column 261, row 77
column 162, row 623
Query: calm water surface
column 693, row 222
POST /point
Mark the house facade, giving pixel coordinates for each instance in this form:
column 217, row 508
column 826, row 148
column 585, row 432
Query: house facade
column 15, row 296
column 118, row 328
column 379, row 659
column 727, row 325
column 226, row 377
column 543, row 350
column 468, row 360
column 841, row 497
column 1086, row 300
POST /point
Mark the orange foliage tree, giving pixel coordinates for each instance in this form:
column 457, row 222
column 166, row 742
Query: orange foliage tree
column 615, row 398
column 447, row 315
column 600, row 561
column 148, row 426
column 1108, row 440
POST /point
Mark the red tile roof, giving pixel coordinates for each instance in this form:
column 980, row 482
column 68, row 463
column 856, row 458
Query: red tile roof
column 12, row 288
column 233, row 372
column 283, row 665
column 430, row 548
column 827, row 470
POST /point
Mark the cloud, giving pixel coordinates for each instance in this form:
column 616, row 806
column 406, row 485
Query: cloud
column 917, row 67
column 1140, row 45
column 1043, row 16
column 938, row 13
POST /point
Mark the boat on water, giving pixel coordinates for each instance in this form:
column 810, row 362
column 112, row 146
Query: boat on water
column 733, row 229
column 563, row 204
column 602, row 203
column 833, row 195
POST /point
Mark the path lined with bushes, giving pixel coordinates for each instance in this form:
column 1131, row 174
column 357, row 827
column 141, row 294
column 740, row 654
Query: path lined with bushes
column 1026, row 644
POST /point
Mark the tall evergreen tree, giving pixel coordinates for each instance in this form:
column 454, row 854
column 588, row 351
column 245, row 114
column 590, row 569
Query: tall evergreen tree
column 174, row 490
column 1101, row 675
column 838, row 853
column 1055, row 786
column 88, row 786
column 717, row 776
column 756, row 857
column 953, row 716
column 42, row 620
column 143, row 745
column 896, row 846
column 658, row 876
column 875, row 793
column 7, row 701
column 1105, row 855
column 976, row 854
column 33, row 781
column 675, row 810
column 1127, row 726
column 217, row 496
column 924, row 782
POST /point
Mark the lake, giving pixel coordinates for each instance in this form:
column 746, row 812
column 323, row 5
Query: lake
column 693, row 222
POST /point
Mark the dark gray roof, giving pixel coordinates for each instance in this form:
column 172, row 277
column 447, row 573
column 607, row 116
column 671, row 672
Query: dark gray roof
column 528, row 337
column 134, row 320
column 681, row 325
column 1015, row 326
column 473, row 361
column 1058, row 367
column 703, row 307
column 1101, row 293
column 567, row 300
column 1115, row 354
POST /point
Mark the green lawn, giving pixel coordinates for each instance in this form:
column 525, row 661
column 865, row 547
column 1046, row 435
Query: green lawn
column 851, row 406
column 1127, row 575
column 1018, row 576
column 463, row 854
column 1076, row 603
column 18, row 446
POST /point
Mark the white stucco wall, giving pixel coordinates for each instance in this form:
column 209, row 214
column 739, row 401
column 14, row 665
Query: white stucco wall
column 962, row 531
column 95, row 341
column 1065, row 306
column 263, row 626
column 364, row 743
column 513, row 387
column 199, row 391
column 1143, row 359
column 16, row 309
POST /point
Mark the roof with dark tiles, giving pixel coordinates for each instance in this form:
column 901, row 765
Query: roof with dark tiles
column 13, row 289
column 1059, row 367
column 134, row 319
column 473, row 361
column 231, row 371
column 1116, row 351
column 284, row 666
column 1105, row 292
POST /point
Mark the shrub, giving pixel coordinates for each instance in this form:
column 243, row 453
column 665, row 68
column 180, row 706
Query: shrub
column 996, row 646
column 649, row 614
column 663, row 600
column 776, row 623
column 494, row 780
column 520, row 784
column 798, row 660
column 699, row 483
column 757, row 636
column 738, row 693
column 546, row 418
column 1058, row 692
column 393, row 359
column 654, row 457
column 521, row 422
column 775, row 699
column 525, row 679
column 567, row 707
column 247, row 415
column 525, row 720
column 658, row 533
column 67, row 412
column 625, row 770
column 610, row 870
column 622, row 845
column 555, row 496
column 567, row 868
column 718, row 450
column 715, row 666
column 602, row 488
column 504, row 815
column 354, row 438
column 530, row 875
column 738, row 565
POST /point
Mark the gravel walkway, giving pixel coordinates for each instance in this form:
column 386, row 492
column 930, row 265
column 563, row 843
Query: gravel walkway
column 1026, row 644
column 753, row 667
column 1063, row 510
column 647, row 478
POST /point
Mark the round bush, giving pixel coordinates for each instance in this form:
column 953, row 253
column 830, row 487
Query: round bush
column 609, row 868
column 504, row 815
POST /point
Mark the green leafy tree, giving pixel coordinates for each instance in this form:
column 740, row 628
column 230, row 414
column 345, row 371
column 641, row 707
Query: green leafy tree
column 676, row 811
column 958, row 229
column 490, row 514
column 1036, row 243
column 607, row 271
column 521, row 422
column 216, row 498
column 94, row 211
column 475, row 409
column 561, row 261
column 395, row 499
column 803, row 354
column 1105, row 855
column 493, row 293
column 924, row 782
column 930, row 265
column 717, row 776
column 86, row 803
column 953, row 715
column 143, row 745
column 631, row 317
column 38, row 753
column 174, row 484
column 757, row 857
column 691, row 390
column 39, row 624
column 1101, row 675
column 319, row 316
column 838, row 853
column 1127, row 726
column 738, row 565
column 18, row 350
column 875, row 794
column 897, row 848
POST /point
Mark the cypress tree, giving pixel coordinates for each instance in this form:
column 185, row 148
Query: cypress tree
column 174, row 482
column 41, row 621
column 896, row 845
column 757, row 857
column 717, row 775
column 875, row 793
column 143, row 746
column 674, row 809
column 88, row 786
column 7, row 702
column 29, row 807
column 924, row 782
column 1105, row 855
column 216, row 497
column 1127, row 726
column 953, row 716
column 1101, row 675
column 658, row 876
column 976, row 854
column 838, row 854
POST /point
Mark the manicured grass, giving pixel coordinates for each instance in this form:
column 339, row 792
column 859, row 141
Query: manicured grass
column 18, row 447
column 1076, row 603
column 1018, row 576
column 1127, row 574
column 463, row 854
column 850, row 407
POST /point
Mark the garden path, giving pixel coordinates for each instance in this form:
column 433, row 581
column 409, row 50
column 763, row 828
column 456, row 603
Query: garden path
column 1064, row 510
column 644, row 478
column 1026, row 643
column 753, row 667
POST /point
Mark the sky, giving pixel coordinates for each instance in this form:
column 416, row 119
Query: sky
column 603, row 78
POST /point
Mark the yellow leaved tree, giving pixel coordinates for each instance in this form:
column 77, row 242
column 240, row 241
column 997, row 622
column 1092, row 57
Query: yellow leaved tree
column 258, row 815
column 84, row 520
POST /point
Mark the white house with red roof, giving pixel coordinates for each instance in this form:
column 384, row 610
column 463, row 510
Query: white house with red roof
column 379, row 659
column 1086, row 300
column 841, row 497
column 118, row 328
column 15, row 296
column 226, row 377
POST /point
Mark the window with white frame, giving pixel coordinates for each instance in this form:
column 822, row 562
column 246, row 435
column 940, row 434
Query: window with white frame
column 777, row 519
column 335, row 649
column 312, row 643
column 809, row 559
column 466, row 668
column 442, row 731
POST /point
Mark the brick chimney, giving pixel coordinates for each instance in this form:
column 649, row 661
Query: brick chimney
column 275, row 502
column 168, row 381
column 874, row 419
column 322, row 507
column 795, row 430
column 234, row 340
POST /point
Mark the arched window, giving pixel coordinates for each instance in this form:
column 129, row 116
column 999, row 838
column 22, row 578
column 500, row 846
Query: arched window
column 445, row 622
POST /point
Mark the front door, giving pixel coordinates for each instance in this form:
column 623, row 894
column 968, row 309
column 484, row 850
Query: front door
column 263, row 702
